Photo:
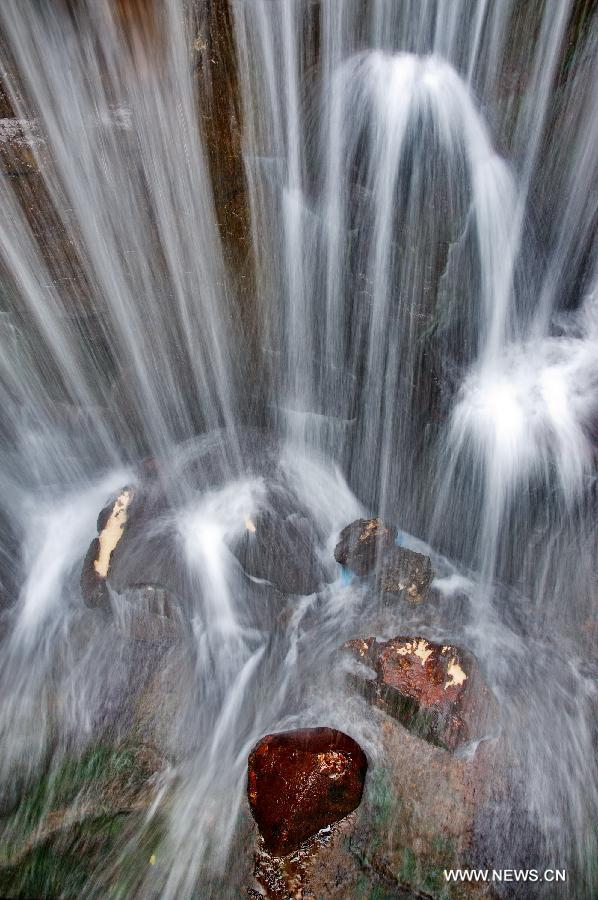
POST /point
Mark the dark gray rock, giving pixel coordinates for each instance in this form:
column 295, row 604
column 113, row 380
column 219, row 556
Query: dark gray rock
column 404, row 574
column 281, row 549
column 362, row 543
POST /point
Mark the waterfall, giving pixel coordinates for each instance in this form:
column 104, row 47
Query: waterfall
column 419, row 340
column 127, row 180
column 377, row 168
column 443, row 220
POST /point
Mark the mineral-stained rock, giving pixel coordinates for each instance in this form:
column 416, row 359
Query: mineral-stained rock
column 300, row 781
column 361, row 544
column 434, row 690
column 96, row 566
column 364, row 649
column 405, row 574
column 111, row 525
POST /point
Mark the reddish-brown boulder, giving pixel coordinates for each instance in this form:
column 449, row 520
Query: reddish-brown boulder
column 362, row 542
column 435, row 690
column 301, row 781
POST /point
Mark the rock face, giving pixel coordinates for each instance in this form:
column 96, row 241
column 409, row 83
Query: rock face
column 361, row 544
column 144, row 611
column 434, row 690
column 217, row 80
column 422, row 808
column 19, row 139
column 405, row 574
column 150, row 613
column 301, row 781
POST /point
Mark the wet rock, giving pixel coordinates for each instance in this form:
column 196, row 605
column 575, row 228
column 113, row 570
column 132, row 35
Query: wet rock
column 93, row 586
column 420, row 813
column 434, row 690
column 362, row 543
column 217, row 81
column 149, row 612
column 19, row 140
column 364, row 649
column 150, row 552
column 405, row 574
column 322, row 868
column 111, row 525
column 154, row 599
column 80, row 816
column 158, row 707
column 282, row 550
column 146, row 552
column 301, row 781
column 275, row 543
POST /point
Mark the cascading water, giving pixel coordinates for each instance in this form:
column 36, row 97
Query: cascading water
column 420, row 179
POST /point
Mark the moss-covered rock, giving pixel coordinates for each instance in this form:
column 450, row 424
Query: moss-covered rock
column 417, row 818
column 72, row 822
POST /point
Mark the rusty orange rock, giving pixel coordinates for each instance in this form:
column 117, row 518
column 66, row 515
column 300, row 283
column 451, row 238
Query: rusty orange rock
column 300, row 781
column 434, row 690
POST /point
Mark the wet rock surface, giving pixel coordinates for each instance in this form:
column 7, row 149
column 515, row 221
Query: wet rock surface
column 217, row 80
column 301, row 781
column 276, row 543
column 280, row 549
column 136, row 557
column 150, row 613
column 323, row 867
column 52, row 843
column 305, row 787
column 434, row 690
column 112, row 521
column 369, row 545
column 19, row 140
column 421, row 812
column 404, row 574
column 361, row 544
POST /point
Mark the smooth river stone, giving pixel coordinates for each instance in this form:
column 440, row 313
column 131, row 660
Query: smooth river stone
column 301, row 781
